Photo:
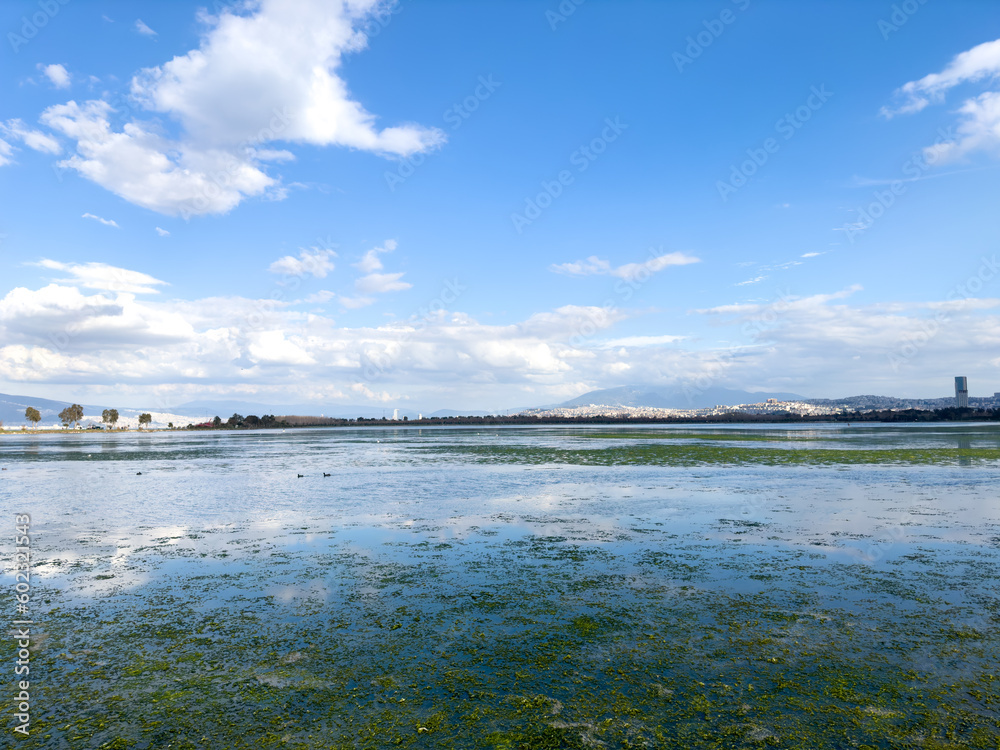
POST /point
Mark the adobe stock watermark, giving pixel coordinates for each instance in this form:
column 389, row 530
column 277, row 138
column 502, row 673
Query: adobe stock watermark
column 910, row 345
column 121, row 106
column 786, row 127
column 222, row 179
column 562, row 13
column 914, row 168
column 380, row 19
column 714, row 28
column 901, row 13
column 581, row 159
column 31, row 25
column 455, row 116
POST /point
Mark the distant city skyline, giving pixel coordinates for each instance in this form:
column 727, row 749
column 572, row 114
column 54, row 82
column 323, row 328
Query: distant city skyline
column 486, row 206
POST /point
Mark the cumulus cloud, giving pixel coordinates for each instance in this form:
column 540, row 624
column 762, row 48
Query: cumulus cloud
column 594, row 266
column 979, row 125
column 879, row 347
column 143, row 29
column 283, row 57
column 162, row 232
column 146, row 169
column 314, row 261
column 57, row 75
column 370, row 261
column 263, row 76
column 104, row 277
column 68, row 321
column 105, row 222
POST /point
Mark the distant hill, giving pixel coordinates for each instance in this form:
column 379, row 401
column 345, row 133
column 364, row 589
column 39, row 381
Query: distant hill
column 12, row 408
column 673, row 397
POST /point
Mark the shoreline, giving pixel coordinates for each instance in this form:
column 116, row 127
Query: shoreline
column 907, row 417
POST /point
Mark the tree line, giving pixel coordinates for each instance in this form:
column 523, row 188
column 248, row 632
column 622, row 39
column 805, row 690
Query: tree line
column 73, row 414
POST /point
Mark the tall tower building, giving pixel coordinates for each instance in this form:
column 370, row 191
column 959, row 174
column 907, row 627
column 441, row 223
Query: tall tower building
column 962, row 392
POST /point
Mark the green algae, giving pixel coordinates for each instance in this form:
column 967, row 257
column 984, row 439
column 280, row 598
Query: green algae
column 535, row 660
column 718, row 455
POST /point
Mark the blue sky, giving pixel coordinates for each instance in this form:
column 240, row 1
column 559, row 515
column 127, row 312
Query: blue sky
column 496, row 204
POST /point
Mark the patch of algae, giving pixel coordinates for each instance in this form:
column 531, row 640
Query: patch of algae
column 526, row 659
column 709, row 454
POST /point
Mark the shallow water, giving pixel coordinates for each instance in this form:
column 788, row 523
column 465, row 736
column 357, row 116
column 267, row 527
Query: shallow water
column 812, row 586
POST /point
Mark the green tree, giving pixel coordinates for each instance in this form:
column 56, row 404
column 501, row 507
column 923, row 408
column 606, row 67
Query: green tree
column 110, row 417
column 235, row 421
column 71, row 415
column 217, row 422
column 145, row 418
column 33, row 415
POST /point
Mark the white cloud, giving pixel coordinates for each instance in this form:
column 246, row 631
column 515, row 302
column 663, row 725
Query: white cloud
column 810, row 255
column 33, row 139
column 104, row 277
column 371, row 262
column 978, row 63
column 287, row 53
column 979, row 130
column 268, row 75
column 162, row 232
column 754, row 280
column 143, row 29
column 65, row 321
column 146, row 169
column 311, row 262
column 979, row 125
column 105, row 222
column 375, row 283
column 57, row 334
column 57, row 75
column 381, row 283
column 594, row 266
